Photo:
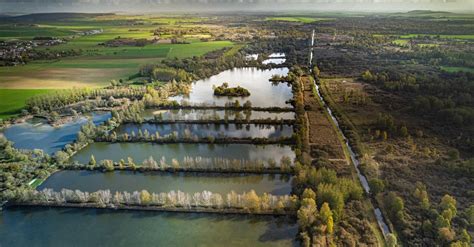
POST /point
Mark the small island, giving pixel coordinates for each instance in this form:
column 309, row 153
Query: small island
column 225, row 90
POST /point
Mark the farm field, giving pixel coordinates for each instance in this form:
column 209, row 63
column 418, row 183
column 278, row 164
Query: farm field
column 98, row 70
column 13, row 100
column 98, row 64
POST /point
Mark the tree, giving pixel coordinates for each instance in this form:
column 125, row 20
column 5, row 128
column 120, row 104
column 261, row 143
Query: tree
column 384, row 135
column 307, row 213
column 395, row 206
column 145, row 197
column 316, row 71
column 367, row 76
column 453, row 154
column 61, row 157
column 309, row 193
column 422, row 196
column 448, row 203
column 247, row 104
column 376, row 185
column 131, row 163
column 391, row 240
column 470, row 214
column 108, row 165
column 330, row 225
column 305, row 239
column 92, row 161
column 325, row 212
column 404, row 131
column 446, row 234
column 328, row 193
column 252, row 201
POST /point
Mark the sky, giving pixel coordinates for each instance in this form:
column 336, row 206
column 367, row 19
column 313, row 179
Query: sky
column 192, row 6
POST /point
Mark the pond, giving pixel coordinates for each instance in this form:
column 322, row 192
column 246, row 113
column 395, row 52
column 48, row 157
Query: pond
column 215, row 130
column 194, row 114
column 263, row 92
column 54, row 227
column 275, row 61
column 141, row 151
column 165, row 182
column 36, row 134
column 275, row 58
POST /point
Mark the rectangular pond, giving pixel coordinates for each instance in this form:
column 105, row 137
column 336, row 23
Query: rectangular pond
column 164, row 182
column 198, row 114
column 141, row 151
column 54, row 227
column 35, row 134
column 206, row 130
column 263, row 93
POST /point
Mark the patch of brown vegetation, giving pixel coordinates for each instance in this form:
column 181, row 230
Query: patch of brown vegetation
column 400, row 161
column 322, row 137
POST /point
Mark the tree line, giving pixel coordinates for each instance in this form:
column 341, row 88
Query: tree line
column 198, row 163
column 246, row 202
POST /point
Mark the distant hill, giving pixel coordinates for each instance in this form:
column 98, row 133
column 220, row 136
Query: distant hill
column 427, row 12
column 50, row 16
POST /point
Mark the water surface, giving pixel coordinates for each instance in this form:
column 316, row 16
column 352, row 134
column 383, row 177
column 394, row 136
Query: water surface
column 197, row 114
column 141, row 151
column 215, row 130
column 35, row 134
column 165, row 182
column 54, row 227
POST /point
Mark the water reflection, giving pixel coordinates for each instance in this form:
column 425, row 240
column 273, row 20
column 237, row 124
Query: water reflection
column 194, row 114
column 33, row 227
column 263, row 92
column 141, row 151
column 164, row 182
column 215, row 130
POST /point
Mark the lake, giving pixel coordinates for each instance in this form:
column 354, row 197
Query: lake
column 263, row 92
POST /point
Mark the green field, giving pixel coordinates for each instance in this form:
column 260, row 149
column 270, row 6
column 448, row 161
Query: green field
column 97, row 70
column 295, row 19
column 457, row 69
column 400, row 42
column 13, row 100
